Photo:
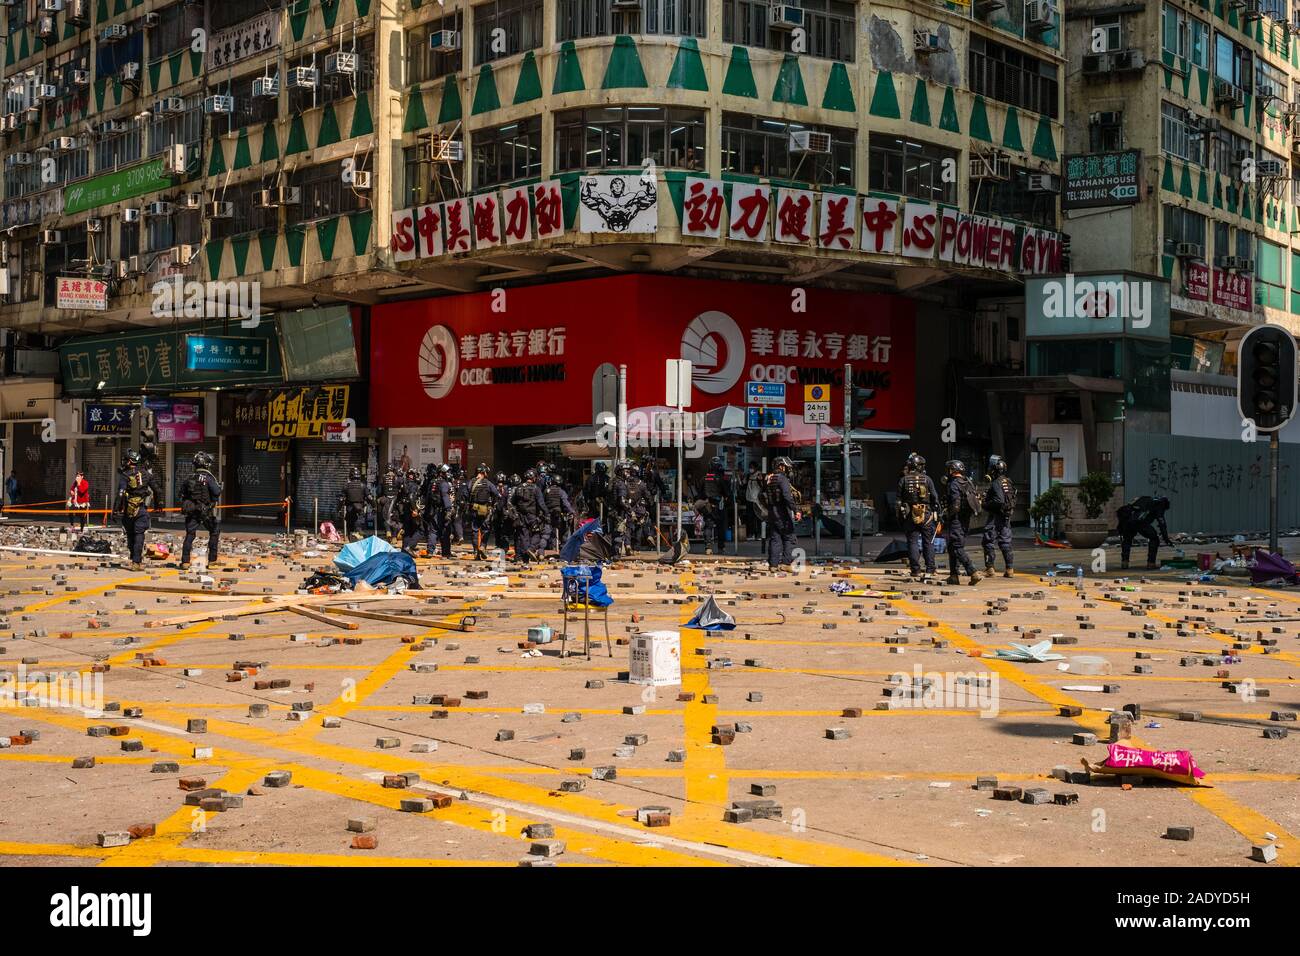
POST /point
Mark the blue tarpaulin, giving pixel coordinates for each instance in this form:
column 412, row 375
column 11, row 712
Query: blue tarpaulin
column 358, row 551
column 593, row 591
column 385, row 568
column 574, row 542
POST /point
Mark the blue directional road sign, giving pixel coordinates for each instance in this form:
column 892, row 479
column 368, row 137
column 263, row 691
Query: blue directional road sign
column 764, row 393
column 759, row 416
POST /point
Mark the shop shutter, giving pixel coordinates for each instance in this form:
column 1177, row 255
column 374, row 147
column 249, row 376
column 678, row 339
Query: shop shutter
column 321, row 471
column 183, row 464
column 97, row 462
column 39, row 465
column 253, row 477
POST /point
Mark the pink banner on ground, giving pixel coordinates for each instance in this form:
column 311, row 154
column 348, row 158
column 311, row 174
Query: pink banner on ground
column 1177, row 762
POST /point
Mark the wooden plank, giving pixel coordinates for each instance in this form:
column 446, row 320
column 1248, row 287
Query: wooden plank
column 426, row 622
column 323, row 618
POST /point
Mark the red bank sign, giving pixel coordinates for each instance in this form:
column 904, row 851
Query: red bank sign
column 530, row 356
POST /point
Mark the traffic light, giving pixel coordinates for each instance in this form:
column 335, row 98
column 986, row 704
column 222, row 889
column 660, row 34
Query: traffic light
column 1266, row 377
column 862, row 413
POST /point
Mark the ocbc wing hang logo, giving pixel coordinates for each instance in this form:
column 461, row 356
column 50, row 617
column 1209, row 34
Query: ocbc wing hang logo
column 438, row 361
column 716, row 349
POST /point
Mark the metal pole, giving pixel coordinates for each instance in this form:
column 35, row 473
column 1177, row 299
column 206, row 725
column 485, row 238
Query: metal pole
column 1273, row 455
column 315, row 514
column 622, row 412
column 817, row 493
column 681, row 439
column 848, row 430
column 735, row 511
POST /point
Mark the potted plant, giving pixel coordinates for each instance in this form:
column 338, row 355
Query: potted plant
column 1094, row 494
column 1048, row 509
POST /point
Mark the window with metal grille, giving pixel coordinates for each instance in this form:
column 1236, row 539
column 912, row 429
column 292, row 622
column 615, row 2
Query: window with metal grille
column 247, row 215
column 337, row 86
column 576, row 19
column 249, row 109
column 505, row 27
column 829, row 27
column 1182, row 225
column 229, row 12
column 506, row 153
column 175, row 29
column 909, row 167
column 187, row 127
column 624, row 136
column 1177, row 136
column 1011, row 199
column 1012, row 77
column 424, row 63
column 760, row 146
column 322, row 192
column 120, row 149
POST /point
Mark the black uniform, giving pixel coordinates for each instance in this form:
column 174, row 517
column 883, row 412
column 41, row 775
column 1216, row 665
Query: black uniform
column 1142, row 517
column 389, row 520
column 138, row 490
column 411, row 506
column 919, row 510
column 440, row 510
column 559, row 510
column 530, row 521
column 200, row 495
column 619, row 516
column 956, row 519
column 998, row 502
column 352, row 504
column 483, row 499
column 460, row 506
column 595, row 492
column 781, row 508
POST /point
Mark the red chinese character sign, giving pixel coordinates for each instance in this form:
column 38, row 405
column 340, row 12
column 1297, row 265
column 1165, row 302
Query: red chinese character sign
column 1196, row 280
column 919, row 230
column 837, row 222
column 453, row 361
column 1233, row 289
column 879, row 225
column 456, row 225
column 704, row 206
column 515, row 210
column 750, row 203
column 794, row 216
column 487, row 220
column 549, row 208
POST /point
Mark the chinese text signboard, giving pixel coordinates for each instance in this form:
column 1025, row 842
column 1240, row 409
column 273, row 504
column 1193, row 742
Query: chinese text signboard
column 225, row 353
column 305, row 413
column 1233, row 289
column 146, row 177
column 155, row 359
column 99, row 418
column 1101, row 179
column 73, row 292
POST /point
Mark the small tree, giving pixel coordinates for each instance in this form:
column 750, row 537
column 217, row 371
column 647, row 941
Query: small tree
column 1095, row 491
column 1048, row 509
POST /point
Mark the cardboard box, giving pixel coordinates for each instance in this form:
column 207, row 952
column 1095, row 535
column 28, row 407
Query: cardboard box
column 655, row 658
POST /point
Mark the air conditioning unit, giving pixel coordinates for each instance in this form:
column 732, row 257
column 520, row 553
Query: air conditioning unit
column 984, row 7
column 1235, row 263
column 1128, row 60
column 266, row 86
column 302, row 78
column 168, row 105
column 1292, row 109
column 190, row 201
column 1227, row 94
column 123, row 269
column 361, row 179
column 1044, row 183
column 130, row 72
column 62, row 144
column 51, row 6
column 288, row 195
column 1106, row 118
column 1096, row 64
column 175, row 159
column 1038, row 15
column 159, row 208
column 925, row 42
column 112, row 127
column 47, row 91
column 32, row 116
column 80, row 77
column 784, row 16
column 219, row 104
column 1253, row 10
column 1188, row 250
column 1266, row 89
column 51, row 237
column 219, row 210
column 94, row 225
column 152, row 19
column 443, row 149
column 809, row 141
column 134, row 265
column 995, row 165
column 182, row 255
column 4, row 122
column 444, row 41
column 18, row 159
column 130, row 214
column 114, row 31
column 79, row 11
column 1271, row 167
column 1205, row 125
column 341, row 64
column 45, row 27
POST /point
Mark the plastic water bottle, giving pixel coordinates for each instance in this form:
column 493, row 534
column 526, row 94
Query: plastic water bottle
column 1078, row 576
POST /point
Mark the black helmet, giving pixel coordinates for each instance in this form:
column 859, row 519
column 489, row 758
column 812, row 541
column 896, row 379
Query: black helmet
column 444, row 470
column 132, row 457
column 783, row 462
column 501, row 477
column 514, row 479
column 203, row 460
column 530, row 475
column 482, row 469
column 601, row 468
column 355, row 474
column 915, row 462
column 997, row 466
column 954, row 466
column 412, row 474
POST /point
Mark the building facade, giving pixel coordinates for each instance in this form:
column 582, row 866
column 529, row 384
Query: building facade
column 355, row 155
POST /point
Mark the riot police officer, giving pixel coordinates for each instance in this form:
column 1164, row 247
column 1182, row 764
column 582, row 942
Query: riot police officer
column 138, row 490
column 618, row 508
column 782, row 512
column 389, row 512
column 1143, row 516
column 483, row 499
column 596, row 490
column 962, row 503
column 411, row 509
column 200, row 495
column 353, row 501
column 918, row 507
column 459, row 502
column 999, row 502
column 559, row 510
column 439, row 506
column 502, row 521
column 530, row 518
